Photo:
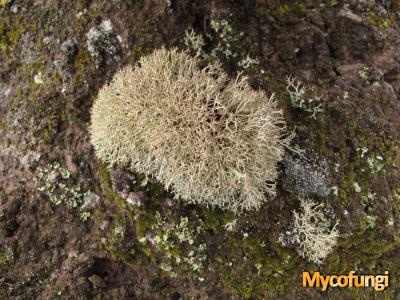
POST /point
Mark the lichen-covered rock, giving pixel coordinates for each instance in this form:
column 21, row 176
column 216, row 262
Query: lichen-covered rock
column 158, row 248
column 123, row 182
column 102, row 43
column 63, row 62
column 306, row 177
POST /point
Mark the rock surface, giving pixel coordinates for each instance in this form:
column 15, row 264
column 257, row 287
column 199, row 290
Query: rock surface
column 132, row 239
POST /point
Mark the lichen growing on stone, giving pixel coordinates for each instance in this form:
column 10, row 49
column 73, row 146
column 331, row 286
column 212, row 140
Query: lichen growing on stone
column 100, row 41
column 312, row 232
column 211, row 140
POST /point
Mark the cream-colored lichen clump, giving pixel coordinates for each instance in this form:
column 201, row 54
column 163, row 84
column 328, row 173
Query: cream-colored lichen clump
column 210, row 140
column 313, row 232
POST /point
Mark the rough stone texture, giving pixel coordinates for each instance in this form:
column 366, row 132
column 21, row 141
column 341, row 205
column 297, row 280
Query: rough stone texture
column 49, row 252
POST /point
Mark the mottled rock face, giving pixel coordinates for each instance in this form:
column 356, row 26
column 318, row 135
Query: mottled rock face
column 102, row 43
column 134, row 240
column 123, row 181
column 64, row 60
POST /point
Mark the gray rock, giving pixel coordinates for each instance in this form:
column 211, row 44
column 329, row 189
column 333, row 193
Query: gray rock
column 101, row 42
column 27, row 44
column 122, row 181
column 30, row 159
column 64, row 60
column 346, row 13
column 136, row 198
column 90, row 199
